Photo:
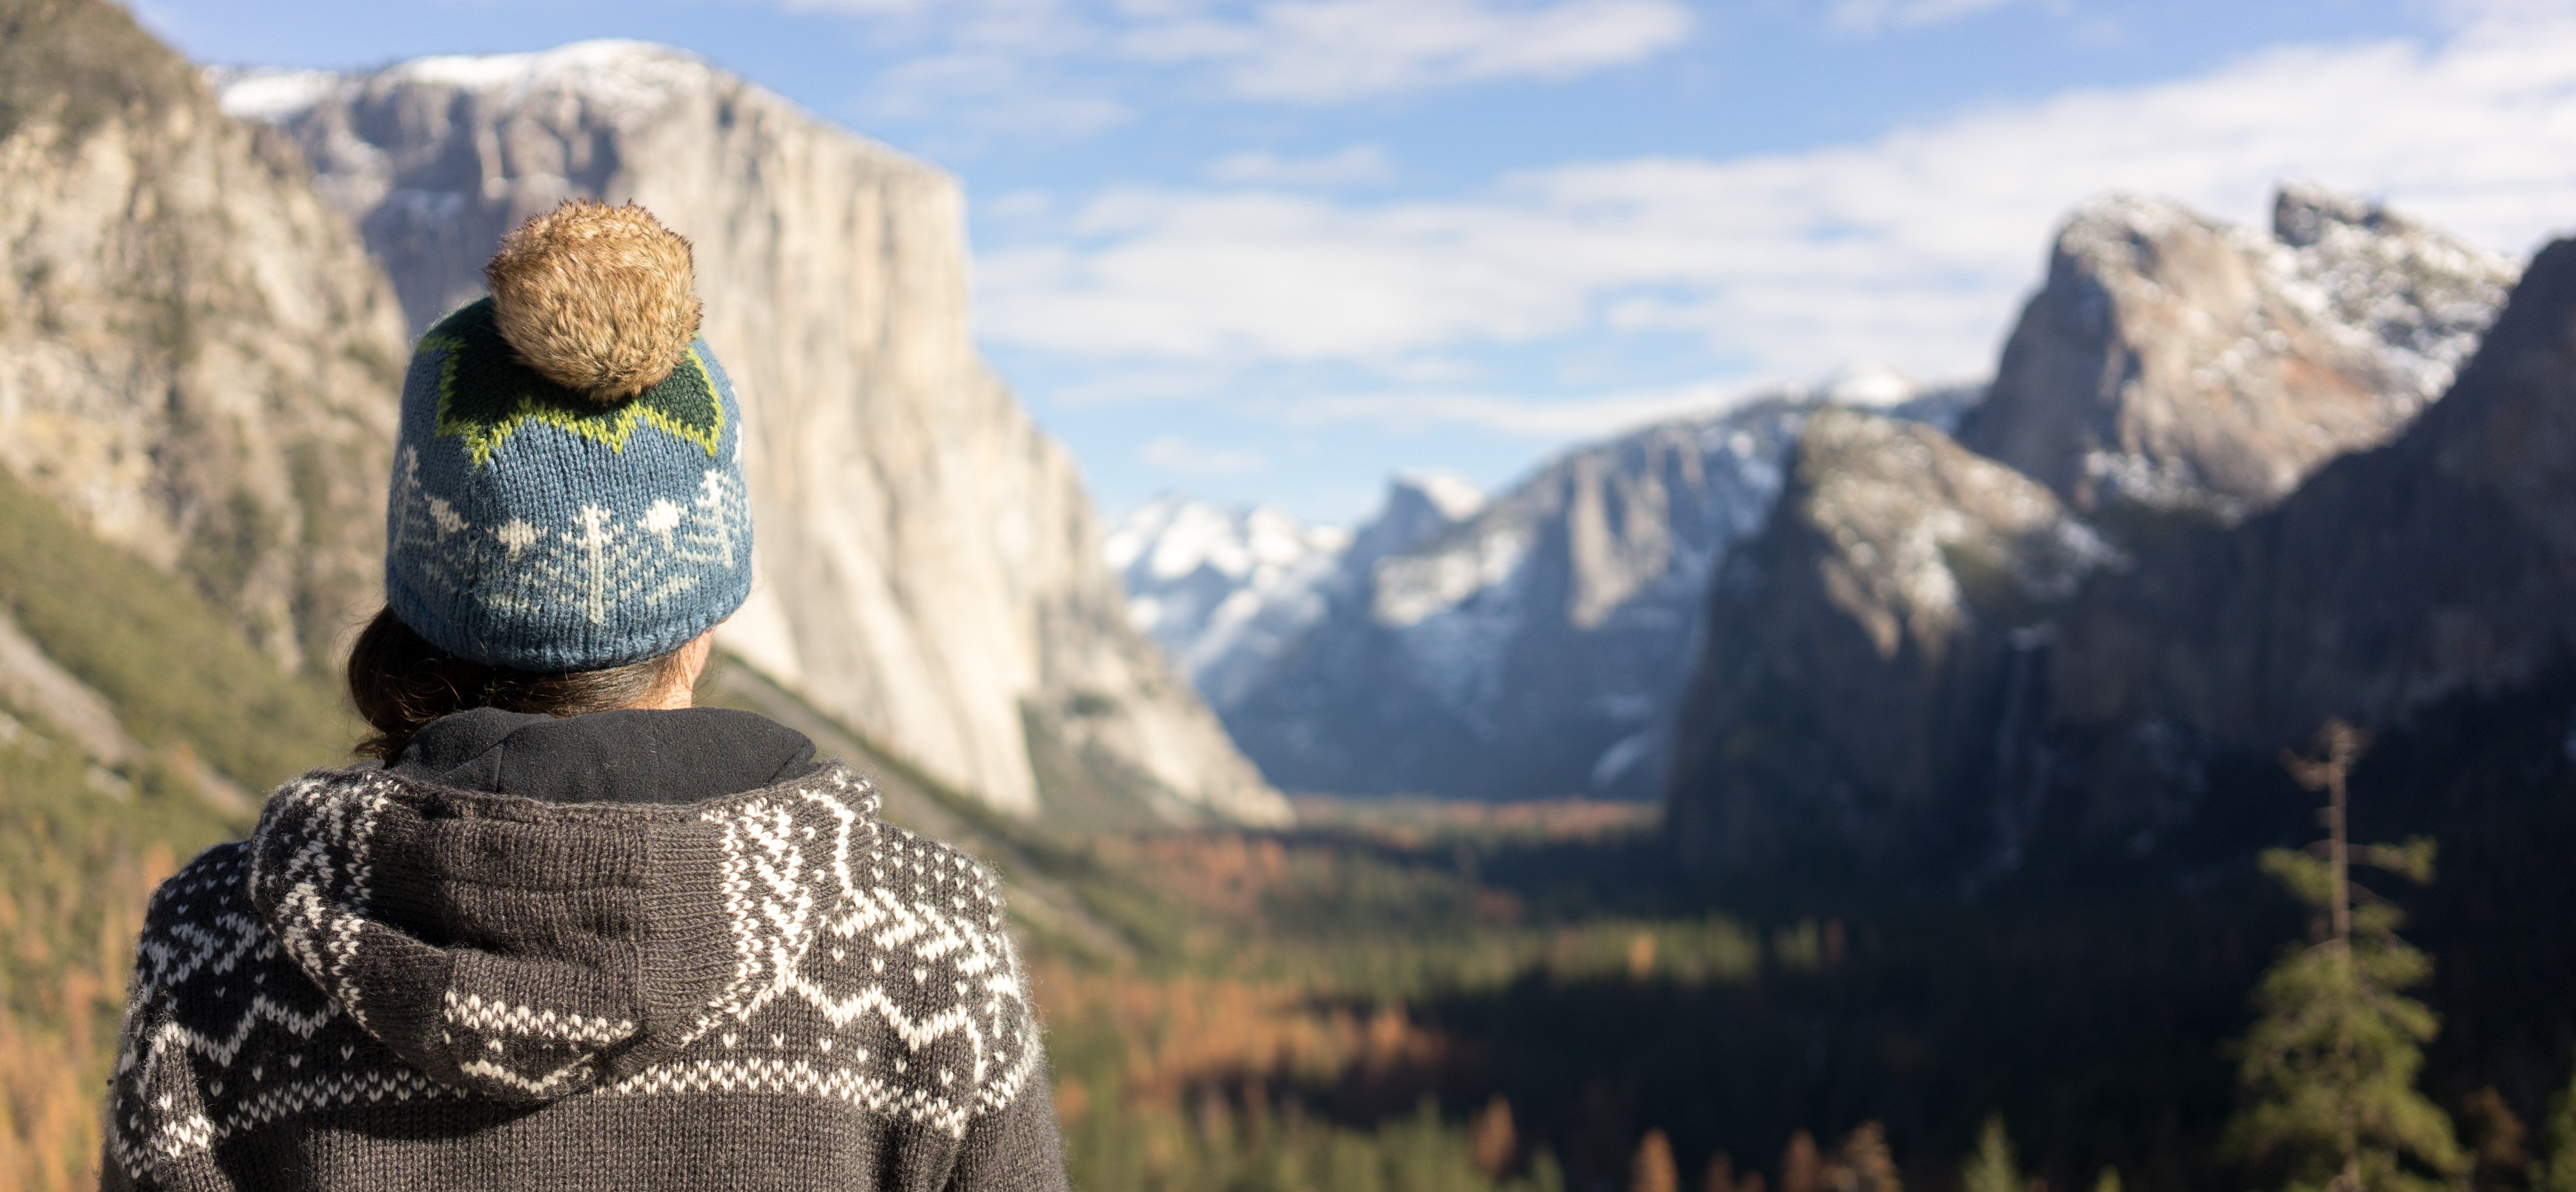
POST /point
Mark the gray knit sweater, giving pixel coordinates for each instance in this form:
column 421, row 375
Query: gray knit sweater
column 401, row 985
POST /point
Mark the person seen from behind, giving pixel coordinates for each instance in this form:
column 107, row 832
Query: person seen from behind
column 565, row 930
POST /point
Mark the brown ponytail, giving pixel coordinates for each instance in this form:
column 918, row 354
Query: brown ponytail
column 401, row 682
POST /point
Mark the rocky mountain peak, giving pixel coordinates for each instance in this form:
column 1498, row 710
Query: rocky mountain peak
column 1526, row 646
column 2424, row 295
column 2176, row 364
column 1419, row 505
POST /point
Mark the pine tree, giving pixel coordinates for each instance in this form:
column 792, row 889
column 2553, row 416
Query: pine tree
column 1491, row 1140
column 1653, row 1170
column 2328, row 1070
column 1862, row 1163
column 1991, row 1168
column 2494, row 1137
column 1801, row 1167
column 2555, row 1169
column 1719, row 1176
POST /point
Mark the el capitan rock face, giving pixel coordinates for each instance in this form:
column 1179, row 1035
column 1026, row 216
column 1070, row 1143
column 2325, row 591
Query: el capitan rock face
column 929, row 569
column 201, row 362
column 2178, row 364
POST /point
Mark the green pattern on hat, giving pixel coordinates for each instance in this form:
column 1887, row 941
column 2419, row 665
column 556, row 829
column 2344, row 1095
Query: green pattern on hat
column 485, row 395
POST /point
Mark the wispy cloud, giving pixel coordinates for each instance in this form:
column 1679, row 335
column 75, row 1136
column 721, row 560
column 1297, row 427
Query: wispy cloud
column 992, row 92
column 1356, row 165
column 1172, row 453
column 1542, row 419
column 1910, row 249
column 1070, row 67
column 1326, row 51
column 1864, row 17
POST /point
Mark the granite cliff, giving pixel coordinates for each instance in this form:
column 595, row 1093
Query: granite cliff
column 200, row 362
column 2238, row 512
column 929, row 569
column 2440, row 566
column 2174, row 364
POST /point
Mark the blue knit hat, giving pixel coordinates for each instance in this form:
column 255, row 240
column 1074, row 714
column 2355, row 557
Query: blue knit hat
column 567, row 489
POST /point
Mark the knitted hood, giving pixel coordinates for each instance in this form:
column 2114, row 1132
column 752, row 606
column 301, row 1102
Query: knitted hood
column 524, row 951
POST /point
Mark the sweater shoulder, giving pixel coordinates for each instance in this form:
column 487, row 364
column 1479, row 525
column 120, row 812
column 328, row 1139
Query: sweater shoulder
column 222, row 1032
column 949, row 879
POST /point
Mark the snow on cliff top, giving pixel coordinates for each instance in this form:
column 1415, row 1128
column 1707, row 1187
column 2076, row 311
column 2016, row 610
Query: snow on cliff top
column 625, row 73
column 1453, row 495
column 269, row 94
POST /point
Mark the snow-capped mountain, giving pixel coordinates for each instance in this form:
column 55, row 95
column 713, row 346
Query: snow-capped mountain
column 1227, row 592
column 1221, row 589
column 1529, row 646
column 1535, row 648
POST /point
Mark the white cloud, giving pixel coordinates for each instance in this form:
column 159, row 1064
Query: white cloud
column 1067, row 67
column 1325, row 51
column 1173, row 453
column 871, row 8
column 1568, row 418
column 991, row 91
column 1869, row 16
column 1356, row 165
column 1911, row 249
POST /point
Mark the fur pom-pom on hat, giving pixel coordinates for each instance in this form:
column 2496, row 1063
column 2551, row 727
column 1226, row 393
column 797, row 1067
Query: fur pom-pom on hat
column 597, row 299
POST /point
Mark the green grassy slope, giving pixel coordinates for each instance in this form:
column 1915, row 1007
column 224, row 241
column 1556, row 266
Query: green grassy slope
column 81, row 845
column 176, row 671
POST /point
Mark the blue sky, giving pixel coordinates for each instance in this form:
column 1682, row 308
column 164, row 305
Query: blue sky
column 1273, row 250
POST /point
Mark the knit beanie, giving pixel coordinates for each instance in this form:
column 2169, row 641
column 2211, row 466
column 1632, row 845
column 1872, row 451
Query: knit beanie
column 567, row 491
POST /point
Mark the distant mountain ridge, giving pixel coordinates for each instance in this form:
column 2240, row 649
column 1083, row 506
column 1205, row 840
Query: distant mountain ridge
column 2171, row 368
column 1527, row 646
column 928, row 567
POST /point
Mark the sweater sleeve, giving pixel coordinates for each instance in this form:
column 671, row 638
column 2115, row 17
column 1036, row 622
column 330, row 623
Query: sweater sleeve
column 112, row 1176
column 1015, row 1150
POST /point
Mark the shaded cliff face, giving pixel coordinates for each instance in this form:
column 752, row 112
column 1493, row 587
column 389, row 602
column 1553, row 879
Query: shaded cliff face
column 1845, row 692
column 2441, row 565
column 929, row 569
column 2175, row 364
column 2394, row 583
column 201, row 363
